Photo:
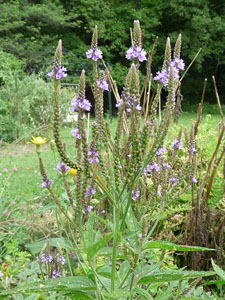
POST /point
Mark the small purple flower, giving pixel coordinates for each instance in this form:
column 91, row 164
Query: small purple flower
column 15, row 169
column 166, row 165
column 153, row 167
column 194, row 180
column 62, row 167
column 47, row 183
column 82, row 103
column 89, row 208
column 76, row 133
column 56, row 274
column 193, row 149
column 6, row 212
column 58, row 73
column 140, row 235
column 94, row 54
column 136, row 52
column 177, row 144
column 160, row 151
column 178, row 63
column 173, row 180
column 102, row 83
column 61, row 260
column 135, row 194
column 21, row 207
column 90, row 191
column 93, row 155
column 1, row 274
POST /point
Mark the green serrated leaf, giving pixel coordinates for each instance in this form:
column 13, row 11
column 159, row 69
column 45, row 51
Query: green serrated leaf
column 36, row 247
column 218, row 270
column 163, row 245
column 79, row 296
column 64, row 284
column 93, row 249
column 143, row 293
column 174, row 275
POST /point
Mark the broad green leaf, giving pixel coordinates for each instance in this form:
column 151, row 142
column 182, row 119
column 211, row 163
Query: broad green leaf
column 218, row 270
column 107, row 251
column 63, row 284
column 93, row 249
column 143, row 293
column 215, row 282
column 46, row 207
column 79, row 296
column 117, row 294
column 36, row 247
column 171, row 246
column 173, row 275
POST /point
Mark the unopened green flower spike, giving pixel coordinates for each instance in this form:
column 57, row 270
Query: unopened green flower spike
column 177, row 47
column 94, row 42
column 58, row 55
column 137, row 34
column 167, row 56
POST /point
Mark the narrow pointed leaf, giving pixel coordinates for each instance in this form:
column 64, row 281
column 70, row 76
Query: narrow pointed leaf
column 171, row 246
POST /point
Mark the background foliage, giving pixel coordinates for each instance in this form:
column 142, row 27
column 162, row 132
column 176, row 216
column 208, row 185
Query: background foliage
column 30, row 30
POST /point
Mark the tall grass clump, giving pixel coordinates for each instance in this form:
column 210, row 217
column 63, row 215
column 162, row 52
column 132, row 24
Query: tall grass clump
column 113, row 193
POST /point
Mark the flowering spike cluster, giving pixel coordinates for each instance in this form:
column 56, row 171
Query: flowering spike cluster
column 47, row 183
column 58, row 55
column 80, row 103
column 128, row 96
column 167, row 55
column 137, row 34
column 94, row 53
column 58, row 72
column 177, row 48
column 102, row 83
column 136, row 51
column 177, row 63
column 93, row 155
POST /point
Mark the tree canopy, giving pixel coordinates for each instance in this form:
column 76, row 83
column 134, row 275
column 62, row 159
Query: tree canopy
column 30, row 30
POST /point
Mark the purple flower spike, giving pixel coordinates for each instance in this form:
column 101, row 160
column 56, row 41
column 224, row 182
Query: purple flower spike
column 89, row 208
column 90, row 191
column 94, row 54
column 62, row 167
column 174, row 180
column 47, row 183
column 136, row 52
column 76, row 133
column 178, row 63
column 177, row 144
column 56, row 274
column 160, row 151
column 58, row 73
column 82, row 103
column 93, row 155
column 135, row 194
column 102, row 83
column 61, row 260
column 194, row 180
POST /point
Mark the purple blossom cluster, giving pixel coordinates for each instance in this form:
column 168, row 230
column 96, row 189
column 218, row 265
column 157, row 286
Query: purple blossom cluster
column 166, row 166
column 47, row 183
column 163, row 76
column 173, row 180
column 177, row 144
column 56, row 274
column 58, row 73
column 94, row 54
column 131, row 102
column 151, row 167
column 193, row 149
column 61, row 260
column 89, row 208
column 102, row 83
column 80, row 103
column 136, row 52
column 44, row 258
column 160, row 151
column 90, row 191
column 62, row 167
column 93, row 155
column 76, row 133
column 135, row 194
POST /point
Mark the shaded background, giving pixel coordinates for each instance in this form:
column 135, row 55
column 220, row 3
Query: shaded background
column 30, row 30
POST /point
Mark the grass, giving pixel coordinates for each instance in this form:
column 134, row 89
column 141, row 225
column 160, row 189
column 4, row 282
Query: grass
column 24, row 185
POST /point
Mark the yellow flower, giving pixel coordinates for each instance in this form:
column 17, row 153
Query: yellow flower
column 38, row 141
column 72, row 172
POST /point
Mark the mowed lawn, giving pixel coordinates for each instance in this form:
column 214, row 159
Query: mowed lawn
column 20, row 177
